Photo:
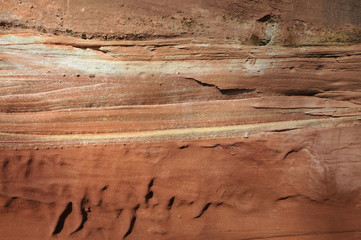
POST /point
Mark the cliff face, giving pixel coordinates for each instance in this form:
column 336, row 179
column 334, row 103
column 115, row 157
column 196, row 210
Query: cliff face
column 180, row 120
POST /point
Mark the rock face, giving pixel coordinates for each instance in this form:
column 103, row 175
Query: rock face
column 169, row 120
column 248, row 21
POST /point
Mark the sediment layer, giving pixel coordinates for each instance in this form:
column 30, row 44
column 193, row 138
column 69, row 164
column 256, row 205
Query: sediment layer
column 190, row 120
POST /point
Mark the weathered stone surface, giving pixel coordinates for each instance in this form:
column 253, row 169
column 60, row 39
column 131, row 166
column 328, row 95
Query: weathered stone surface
column 249, row 21
column 301, row 184
column 184, row 134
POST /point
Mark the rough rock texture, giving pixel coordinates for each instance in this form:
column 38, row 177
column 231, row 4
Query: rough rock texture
column 196, row 132
column 249, row 21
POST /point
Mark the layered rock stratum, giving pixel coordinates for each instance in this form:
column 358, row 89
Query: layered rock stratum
column 189, row 120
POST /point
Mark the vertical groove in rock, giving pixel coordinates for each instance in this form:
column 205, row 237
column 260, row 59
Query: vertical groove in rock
column 61, row 220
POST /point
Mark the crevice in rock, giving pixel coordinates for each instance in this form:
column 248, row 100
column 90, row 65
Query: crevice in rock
column 118, row 212
column 94, row 48
column 170, row 203
column 265, row 18
column 204, row 209
column 236, row 91
column 329, row 115
column 223, row 146
column 131, row 226
column 149, row 194
column 228, row 92
column 322, row 55
column 60, row 224
column 151, row 183
column 213, row 146
column 132, row 222
column 9, row 202
column 84, row 214
column 290, row 152
column 202, row 83
column 102, row 190
column 287, row 197
column 284, row 130
column 302, row 92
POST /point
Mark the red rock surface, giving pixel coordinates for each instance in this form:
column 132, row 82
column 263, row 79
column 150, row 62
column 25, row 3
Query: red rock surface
column 248, row 21
column 193, row 132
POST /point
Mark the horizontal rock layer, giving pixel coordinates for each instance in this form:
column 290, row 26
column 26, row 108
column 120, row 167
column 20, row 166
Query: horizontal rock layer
column 178, row 139
column 249, row 21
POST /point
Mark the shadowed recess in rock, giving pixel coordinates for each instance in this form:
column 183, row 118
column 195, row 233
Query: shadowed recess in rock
column 60, row 224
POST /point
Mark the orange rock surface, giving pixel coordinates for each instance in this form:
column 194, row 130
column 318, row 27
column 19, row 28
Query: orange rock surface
column 189, row 120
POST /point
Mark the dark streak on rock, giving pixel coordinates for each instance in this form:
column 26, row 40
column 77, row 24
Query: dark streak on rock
column 287, row 197
column 223, row 146
column 131, row 226
column 132, row 222
column 233, row 91
column 84, row 214
column 11, row 200
column 290, row 152
column 170, row 203
column 151, row 183
column 28, row 167
column 184, row 146
column 284, row 130
column 60, row 224
column 203, row 210
column 149, row 194
column 301, row 92
column 212, row 146
column 236, row 91
column 118, row 212
column 103, row 189
column 265, row 18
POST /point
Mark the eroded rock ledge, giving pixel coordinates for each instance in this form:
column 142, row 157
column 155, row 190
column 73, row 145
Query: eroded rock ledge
column 178, row 139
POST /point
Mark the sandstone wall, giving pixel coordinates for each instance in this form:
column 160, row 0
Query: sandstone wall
column 249, row 21
column 189, row 120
